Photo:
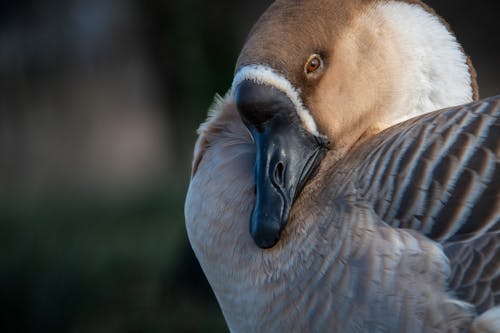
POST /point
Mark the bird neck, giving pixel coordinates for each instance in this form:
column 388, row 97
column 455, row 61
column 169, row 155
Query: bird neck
column 393, row 62
column 322, row 262
column 246, row 279
column 433, row 72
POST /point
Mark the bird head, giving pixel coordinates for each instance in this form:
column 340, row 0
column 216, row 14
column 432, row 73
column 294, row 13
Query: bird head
column 318, row 75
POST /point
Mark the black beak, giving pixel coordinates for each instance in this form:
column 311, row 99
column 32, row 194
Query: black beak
column 287, row 156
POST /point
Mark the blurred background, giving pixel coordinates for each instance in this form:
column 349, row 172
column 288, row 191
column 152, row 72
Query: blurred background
column 99, row 103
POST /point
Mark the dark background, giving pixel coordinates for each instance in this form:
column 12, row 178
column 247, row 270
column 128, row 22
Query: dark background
column 99, row 102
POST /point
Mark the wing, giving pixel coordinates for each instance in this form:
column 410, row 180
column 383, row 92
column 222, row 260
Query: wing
column 476, row 270
column 439, row 174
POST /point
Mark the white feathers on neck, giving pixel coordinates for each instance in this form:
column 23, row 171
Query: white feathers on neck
column 434, row 72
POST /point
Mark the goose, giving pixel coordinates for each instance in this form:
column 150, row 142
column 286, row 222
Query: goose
column 348, row 180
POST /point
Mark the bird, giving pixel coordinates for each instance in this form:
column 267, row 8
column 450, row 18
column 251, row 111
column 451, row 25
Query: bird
column 348, row 181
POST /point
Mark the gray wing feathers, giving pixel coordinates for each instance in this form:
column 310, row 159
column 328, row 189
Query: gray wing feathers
column 476, row 270
column 438, row 173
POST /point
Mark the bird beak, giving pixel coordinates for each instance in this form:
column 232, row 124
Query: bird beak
column 287, row 156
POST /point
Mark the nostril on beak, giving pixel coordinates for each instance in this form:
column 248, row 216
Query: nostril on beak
column 279, row 171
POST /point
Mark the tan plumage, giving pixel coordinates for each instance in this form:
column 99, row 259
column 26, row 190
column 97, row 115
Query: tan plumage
column 397, row 231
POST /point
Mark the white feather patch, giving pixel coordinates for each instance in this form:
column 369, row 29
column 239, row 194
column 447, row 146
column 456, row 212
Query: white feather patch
column 488, row 322
column 435, row 73
column 261, row 74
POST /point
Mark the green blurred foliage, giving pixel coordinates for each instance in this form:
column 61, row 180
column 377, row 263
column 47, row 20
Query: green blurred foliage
column 106, row 259
column 101, row 264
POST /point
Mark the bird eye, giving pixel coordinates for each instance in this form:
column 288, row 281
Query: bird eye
column 313, row 64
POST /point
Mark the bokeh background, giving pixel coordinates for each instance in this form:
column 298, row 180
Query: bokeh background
column 99, row 103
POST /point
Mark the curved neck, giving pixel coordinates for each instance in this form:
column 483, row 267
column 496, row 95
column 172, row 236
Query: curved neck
column 395, row 61
column 434, row 71
column 322, row 264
